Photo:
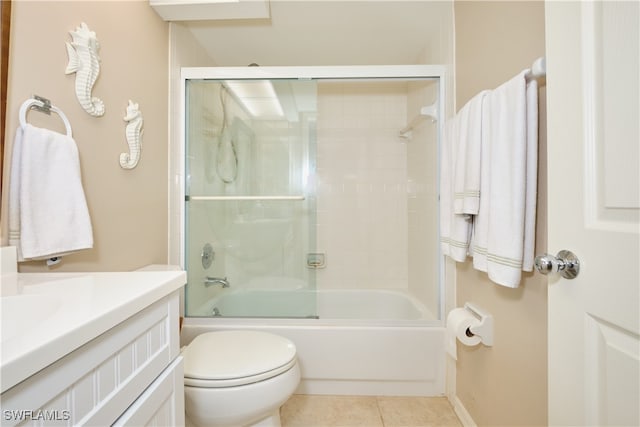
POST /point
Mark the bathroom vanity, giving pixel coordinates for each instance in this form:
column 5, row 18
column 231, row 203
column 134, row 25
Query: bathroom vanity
column 91, row 348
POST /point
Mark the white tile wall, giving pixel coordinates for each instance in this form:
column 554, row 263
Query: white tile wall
column 362, row 185
column 422, row 170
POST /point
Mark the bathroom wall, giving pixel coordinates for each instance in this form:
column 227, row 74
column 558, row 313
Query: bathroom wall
column 185, row 51
column 362, row 185
column 377, row 190
column 128, row 207
column 505, row 384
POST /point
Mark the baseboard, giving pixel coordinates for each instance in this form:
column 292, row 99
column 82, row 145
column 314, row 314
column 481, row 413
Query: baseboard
column 461, row 412
column 369, row 388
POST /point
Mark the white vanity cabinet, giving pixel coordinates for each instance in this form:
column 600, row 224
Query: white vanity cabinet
column 129, row 375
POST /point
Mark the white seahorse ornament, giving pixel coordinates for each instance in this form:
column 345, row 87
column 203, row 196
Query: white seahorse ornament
column 84, row 61
column 133, row 134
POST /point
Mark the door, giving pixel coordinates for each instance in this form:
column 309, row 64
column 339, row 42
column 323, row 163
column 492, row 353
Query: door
column 250, row 211
column 593, row 138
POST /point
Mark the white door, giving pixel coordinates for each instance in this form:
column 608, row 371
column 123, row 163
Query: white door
column 593, row 90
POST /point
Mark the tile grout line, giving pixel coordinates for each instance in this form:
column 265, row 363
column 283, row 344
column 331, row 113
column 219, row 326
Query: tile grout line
column 379, row 411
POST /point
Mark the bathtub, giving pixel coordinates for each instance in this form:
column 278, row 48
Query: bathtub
column 359, row 342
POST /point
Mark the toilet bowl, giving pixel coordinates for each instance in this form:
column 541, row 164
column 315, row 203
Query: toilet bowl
column 238, row 378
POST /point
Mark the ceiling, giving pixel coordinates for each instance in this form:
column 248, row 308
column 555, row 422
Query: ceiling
column 329, row 32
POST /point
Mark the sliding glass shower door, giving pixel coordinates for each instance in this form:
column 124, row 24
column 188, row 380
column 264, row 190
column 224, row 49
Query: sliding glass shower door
column 250, row 197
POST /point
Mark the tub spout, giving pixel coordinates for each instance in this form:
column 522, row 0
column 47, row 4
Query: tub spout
column 210, row 281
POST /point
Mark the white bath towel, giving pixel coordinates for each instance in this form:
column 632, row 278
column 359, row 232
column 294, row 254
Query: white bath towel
column 531, row 200
column 508, row 183
column 14, row 194
column 467, row 175
column 455, row 229
column 48, row 214
column 480, row 232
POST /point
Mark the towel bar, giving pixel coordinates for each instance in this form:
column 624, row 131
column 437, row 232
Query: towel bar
column 44, row 105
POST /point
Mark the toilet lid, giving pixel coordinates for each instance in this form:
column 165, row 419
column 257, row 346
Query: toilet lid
column 216, row 359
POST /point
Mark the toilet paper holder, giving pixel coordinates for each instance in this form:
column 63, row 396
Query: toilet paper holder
column 485, row 328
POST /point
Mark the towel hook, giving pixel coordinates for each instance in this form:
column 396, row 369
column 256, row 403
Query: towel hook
column 43, row 105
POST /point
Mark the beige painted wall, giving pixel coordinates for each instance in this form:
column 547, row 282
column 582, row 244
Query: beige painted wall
column 505, row 384
column 128, row 207
column 184, row 52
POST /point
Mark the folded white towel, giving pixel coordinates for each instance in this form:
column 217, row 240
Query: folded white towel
column 531, row 200
column 480, row 232
column 14, row 194
column 455, row 229
column 467, row 174
column 508, row 183
column 48, row 214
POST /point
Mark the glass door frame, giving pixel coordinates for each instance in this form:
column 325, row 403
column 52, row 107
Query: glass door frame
column 303, row 73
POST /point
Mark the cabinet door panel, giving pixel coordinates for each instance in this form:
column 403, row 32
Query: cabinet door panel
column 162, row 404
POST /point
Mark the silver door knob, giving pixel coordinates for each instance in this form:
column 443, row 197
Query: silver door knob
column 565, row 262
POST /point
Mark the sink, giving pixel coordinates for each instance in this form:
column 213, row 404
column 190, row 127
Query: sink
column 19, row 313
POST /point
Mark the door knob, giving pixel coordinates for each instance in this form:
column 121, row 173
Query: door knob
column 566, row 263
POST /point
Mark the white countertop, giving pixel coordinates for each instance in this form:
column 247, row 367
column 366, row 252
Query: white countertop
column 45, row 316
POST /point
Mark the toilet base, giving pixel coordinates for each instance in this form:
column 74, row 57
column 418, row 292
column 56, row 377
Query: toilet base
column 257, row 404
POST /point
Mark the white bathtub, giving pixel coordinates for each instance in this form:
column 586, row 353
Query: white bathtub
column 327, row 304
column 362, row 342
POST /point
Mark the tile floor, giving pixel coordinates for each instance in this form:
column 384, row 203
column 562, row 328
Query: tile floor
column 367, row 411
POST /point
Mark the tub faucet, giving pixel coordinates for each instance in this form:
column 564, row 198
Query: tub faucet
column 210, row 281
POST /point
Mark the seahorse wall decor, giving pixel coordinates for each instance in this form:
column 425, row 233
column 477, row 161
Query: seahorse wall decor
column 133, row 134
column 84, row 61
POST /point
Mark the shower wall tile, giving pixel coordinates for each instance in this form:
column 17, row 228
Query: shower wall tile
column 377, row 195
column 362, row 182
column 422, row 167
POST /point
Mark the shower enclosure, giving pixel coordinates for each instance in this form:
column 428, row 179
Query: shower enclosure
column 307, row 180
column 311, row 206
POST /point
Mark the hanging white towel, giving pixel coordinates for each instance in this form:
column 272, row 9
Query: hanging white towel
column 455, row 229
column 467, row 174
column 48, row 214
column 14, row 194
column 531, row 201
column 508, row 183
column 480, row 232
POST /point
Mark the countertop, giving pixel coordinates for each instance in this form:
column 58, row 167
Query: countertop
column 45, row 316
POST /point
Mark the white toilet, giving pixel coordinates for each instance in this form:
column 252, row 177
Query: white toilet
column 238, row 378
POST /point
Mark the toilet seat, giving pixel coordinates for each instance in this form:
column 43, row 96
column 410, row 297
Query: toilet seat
column 233, row 358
